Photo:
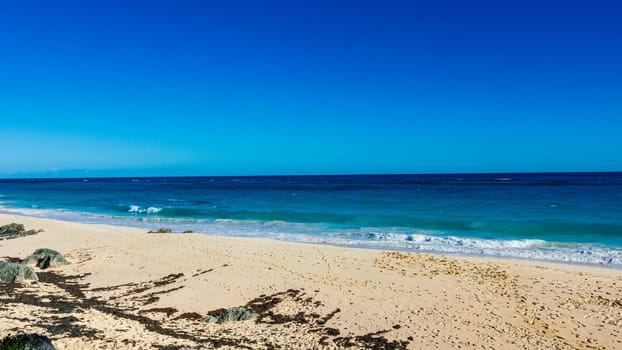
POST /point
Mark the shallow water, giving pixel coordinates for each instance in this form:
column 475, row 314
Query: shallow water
column 566, row 217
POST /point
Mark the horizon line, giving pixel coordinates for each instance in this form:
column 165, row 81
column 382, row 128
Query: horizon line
column 315, row 175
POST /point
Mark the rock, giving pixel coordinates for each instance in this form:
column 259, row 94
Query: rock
column 188, row 231
column 14, row 230
column 16, row 273
column 162, row 230
column 26, row 342
column 45, row 258
column 228, row 315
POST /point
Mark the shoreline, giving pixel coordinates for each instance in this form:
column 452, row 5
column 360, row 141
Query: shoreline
column 318, row 295
column 479, row 258
column 362, row 245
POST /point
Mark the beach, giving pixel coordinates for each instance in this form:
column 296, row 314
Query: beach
column 126, row 288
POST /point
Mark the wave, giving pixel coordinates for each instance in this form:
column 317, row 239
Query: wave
column 141, row 210
column 403, row 239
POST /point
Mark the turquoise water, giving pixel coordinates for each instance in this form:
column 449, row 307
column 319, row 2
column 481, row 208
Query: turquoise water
column 569, row 217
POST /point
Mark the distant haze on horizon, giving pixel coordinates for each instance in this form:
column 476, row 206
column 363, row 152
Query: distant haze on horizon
column 145, row 174
column 161, row 88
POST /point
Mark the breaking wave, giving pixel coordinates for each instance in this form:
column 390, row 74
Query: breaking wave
column 403, row 239
column 141, row 210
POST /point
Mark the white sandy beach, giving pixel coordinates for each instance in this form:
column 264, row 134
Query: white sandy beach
column 126, row 289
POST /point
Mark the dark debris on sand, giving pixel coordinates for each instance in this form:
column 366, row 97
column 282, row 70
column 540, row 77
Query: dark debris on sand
column 74, row 300
column 67, row 327
column 317, row 323
column 11, row 259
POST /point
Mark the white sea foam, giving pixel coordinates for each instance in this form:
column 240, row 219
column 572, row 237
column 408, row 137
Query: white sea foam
column 275, row 222
column 225, row 221
column 382, row 238
column 141, row 210
column 153, row 210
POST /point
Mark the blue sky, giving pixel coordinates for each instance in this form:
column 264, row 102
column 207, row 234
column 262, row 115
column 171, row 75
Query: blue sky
column 130, row 88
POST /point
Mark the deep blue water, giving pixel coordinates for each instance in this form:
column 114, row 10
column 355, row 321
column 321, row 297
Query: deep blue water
column 573, row 217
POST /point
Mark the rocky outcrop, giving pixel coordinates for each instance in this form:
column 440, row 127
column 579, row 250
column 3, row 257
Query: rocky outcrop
column 44, row 258
column 14, row 230
column 26, row 342
column 228, row 315
column 16, row 273
column 162, row 230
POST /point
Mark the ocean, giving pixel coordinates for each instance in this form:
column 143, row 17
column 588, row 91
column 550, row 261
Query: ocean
column 560, row 217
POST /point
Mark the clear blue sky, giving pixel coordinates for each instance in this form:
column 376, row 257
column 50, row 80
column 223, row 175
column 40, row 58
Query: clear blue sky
column 112, row 88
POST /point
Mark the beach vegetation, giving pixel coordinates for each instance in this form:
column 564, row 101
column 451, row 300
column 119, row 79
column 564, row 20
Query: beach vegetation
column 162, row 230
column 14, row 230
column 44, row 258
